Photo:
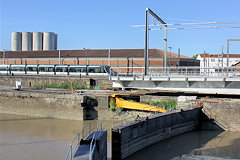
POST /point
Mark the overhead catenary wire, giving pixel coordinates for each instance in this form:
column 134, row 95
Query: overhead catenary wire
column 212, row 27
column 202, row 23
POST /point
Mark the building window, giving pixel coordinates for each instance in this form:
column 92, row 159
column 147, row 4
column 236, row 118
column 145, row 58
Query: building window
column 212, row 60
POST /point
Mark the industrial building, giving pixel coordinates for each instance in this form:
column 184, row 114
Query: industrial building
column 34, row 41
column 111, row 57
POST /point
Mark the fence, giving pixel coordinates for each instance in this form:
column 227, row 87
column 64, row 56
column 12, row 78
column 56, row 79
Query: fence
column 178, row 71
column 87, row 130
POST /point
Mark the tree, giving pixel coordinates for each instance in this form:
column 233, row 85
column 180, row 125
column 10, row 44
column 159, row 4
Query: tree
column 195, row 56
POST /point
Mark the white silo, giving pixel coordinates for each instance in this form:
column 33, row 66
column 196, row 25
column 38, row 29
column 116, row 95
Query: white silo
column 37, row 41
column 26, row 41
column 48, row 41
column 55, row 41
column 16, row 41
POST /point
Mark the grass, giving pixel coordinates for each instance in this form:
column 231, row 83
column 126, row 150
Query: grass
column 168, row 104
column 64, row 85
column 113, row 107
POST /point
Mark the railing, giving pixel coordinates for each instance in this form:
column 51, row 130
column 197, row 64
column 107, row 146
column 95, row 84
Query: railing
column 93, row 141
column 88, row 129
column 128, row 116
column 178, row 71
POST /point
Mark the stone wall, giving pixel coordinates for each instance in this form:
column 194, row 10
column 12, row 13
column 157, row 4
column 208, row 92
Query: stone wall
column 134, row 136
column 49, row 105
column 33, row 81
column 224, row 112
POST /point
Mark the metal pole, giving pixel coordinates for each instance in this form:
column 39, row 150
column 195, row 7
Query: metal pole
column 59, row 56
column 165, row 53
column 227, row 54
column 204, row 64
column 3, row 56
column 222, row 58
column 170, row 55
column 146, row 45
column 218, row 64
column 109, row 54
column 178, row 58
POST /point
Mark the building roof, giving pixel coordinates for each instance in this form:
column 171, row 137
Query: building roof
column 216, row 56
column 89, row 53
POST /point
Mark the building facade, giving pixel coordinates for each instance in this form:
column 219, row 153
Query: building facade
column 112, row 57
column 217, row 63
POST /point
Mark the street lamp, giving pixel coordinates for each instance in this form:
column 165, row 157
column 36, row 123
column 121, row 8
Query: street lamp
column 170, row 55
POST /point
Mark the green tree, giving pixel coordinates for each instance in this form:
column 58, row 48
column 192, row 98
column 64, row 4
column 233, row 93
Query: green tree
column 195, row 56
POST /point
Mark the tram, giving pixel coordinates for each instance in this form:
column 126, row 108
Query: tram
column 55, row 70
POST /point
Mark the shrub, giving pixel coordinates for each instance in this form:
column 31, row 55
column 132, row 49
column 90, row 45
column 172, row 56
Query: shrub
column 168, row 104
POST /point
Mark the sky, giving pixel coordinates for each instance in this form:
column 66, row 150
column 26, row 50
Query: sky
column 106, row 24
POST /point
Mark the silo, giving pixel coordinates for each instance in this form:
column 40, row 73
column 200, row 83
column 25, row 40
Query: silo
column 16, row 41
column 48, row 41
column 55, row 41
column 37, row 41
column 26, row 41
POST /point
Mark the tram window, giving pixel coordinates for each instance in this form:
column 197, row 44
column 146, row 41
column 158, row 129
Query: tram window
column 73, row 69
column 32, row 69
column 83, row 69
column 61, row 69
column 3, row 68
column 77, row 69
column 94, row 70
column 46, row 69
column 43, row 69
column 17, row 68
column 50, row 69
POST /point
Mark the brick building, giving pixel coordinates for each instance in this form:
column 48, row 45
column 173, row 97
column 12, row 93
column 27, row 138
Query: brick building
column 118, row 57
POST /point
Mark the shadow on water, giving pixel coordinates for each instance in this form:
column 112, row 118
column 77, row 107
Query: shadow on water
column 210, row 141
column 175, row 146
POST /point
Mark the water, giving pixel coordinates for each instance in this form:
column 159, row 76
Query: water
column 196, row 145
column 26, row 138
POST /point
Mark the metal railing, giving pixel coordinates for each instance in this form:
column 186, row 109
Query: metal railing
column 128, row 116
column 93, row 141
column 88, row 129
column 197, row 71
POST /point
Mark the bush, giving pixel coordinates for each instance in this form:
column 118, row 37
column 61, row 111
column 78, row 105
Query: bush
column 112, row 105
column 168, row 104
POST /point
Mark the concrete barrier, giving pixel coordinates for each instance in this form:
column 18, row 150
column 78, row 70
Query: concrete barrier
column 134, row 136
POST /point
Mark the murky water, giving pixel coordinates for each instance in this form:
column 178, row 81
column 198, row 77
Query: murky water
column 196, row 145
column 26, row 138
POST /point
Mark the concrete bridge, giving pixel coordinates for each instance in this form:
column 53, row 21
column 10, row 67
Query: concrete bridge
column 221, row 80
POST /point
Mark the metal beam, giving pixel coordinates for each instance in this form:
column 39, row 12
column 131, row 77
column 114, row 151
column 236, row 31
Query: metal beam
column 146, row 45
column 155, row 16
column 146, row 62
